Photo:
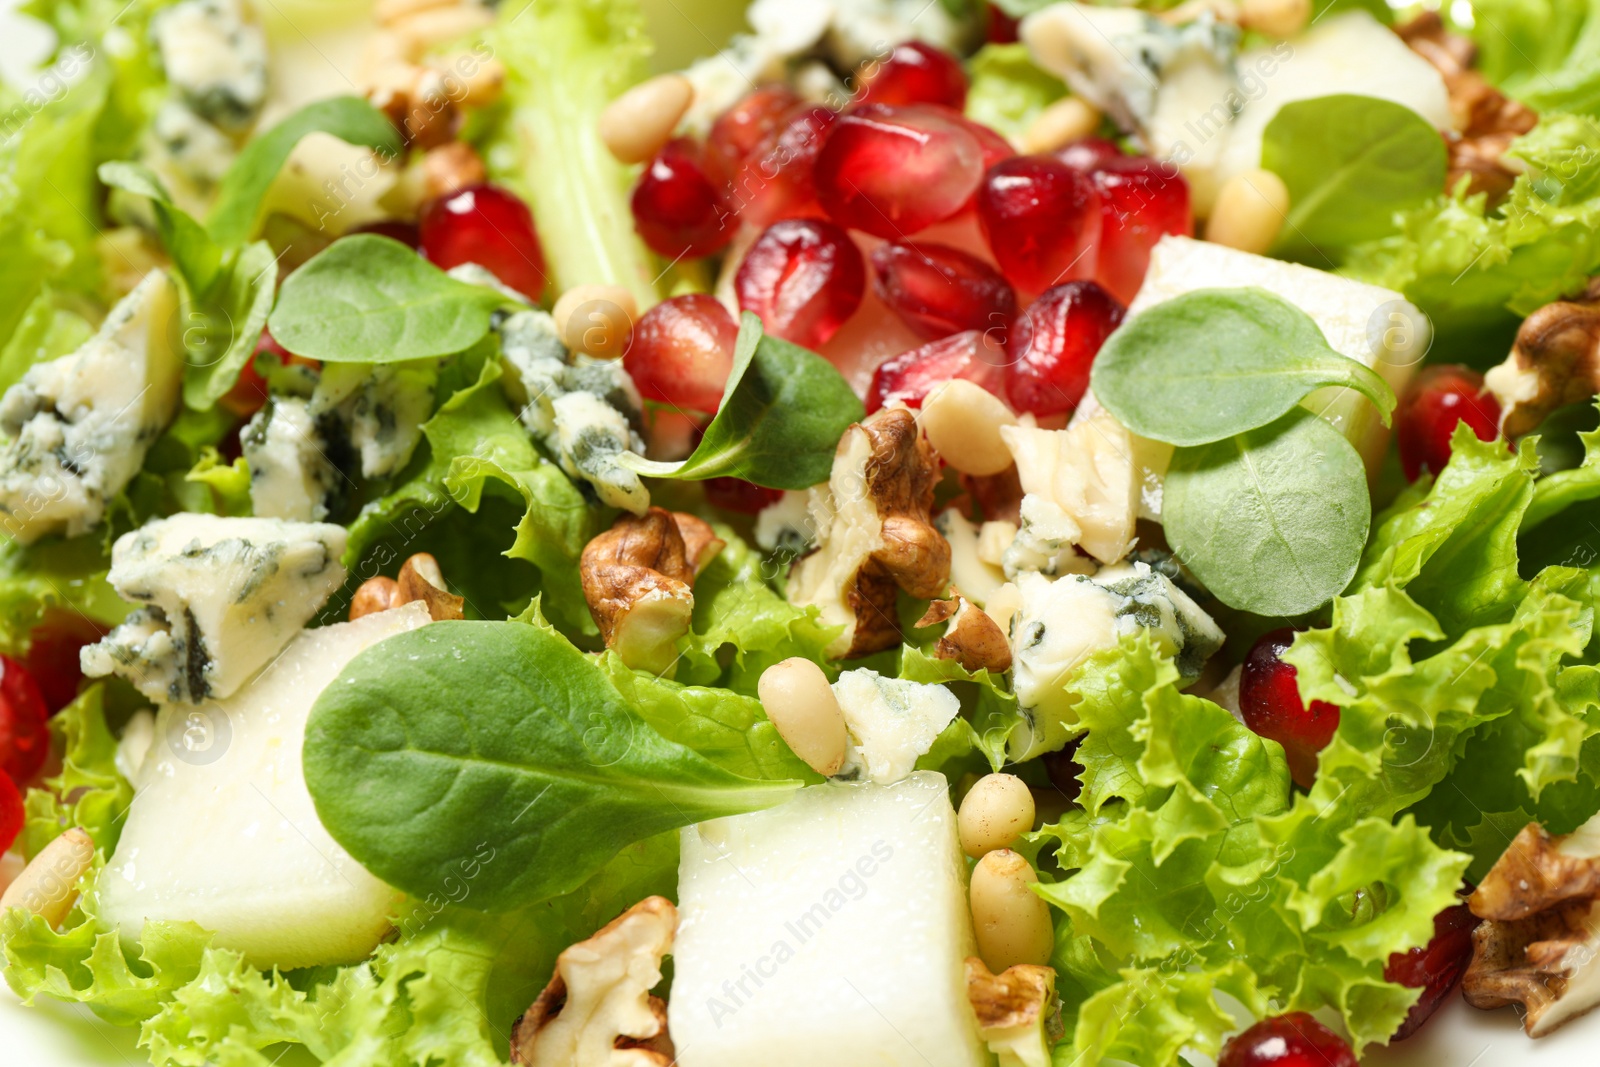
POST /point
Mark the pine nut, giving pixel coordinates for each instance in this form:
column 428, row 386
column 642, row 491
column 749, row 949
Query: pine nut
column 382, row 49
column 483, row 84
column 1275, row 18
column 374, row 595
column 596, row 320
column 388, row 11
column 1011, row 922
column 452, row 167
column 962, row 421
column 1069, row 119
column 636, row 124
column 422, row 30
column 48, row 885
column 995, row 811
column 804, row 711
column 1249, row 212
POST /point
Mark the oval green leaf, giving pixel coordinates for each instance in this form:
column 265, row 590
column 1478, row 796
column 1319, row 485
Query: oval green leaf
column 1272, row 521
column 1213, row 363
column 440, row 740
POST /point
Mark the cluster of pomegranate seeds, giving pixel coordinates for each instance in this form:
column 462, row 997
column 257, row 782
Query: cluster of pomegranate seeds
column 682, row 352
column 776, row 180
column 1053, row 345
column 1269, row 700
column 1292, row 1040
column 916, row 73
column 53, row 655
column 938, row 290
column 1436, row 400
column 747, row 125
column 1435, row 968
column 736, row 494
column 1041, row 219
column 489, row 226
column 24, row 723
column 12, row 814
column 892, row 171
column 909, row 377
column 803, row 277
column 679, row 206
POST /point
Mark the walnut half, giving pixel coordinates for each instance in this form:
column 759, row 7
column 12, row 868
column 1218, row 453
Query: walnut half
column 1554, row 362
column 972, row 639
column 419, row 579
column 1016, row 1010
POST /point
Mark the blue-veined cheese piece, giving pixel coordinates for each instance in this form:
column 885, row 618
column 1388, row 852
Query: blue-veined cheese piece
column 892, row 722
column 785, row 525
column 590, row 437
column 382, row 407
column 220, row 598
column 78, row 427
column 215, row 56
column 291, row 476
column 188, row 148
column 535, row 363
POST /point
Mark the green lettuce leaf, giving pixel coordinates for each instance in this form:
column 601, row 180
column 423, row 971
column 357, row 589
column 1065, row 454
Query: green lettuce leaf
column 1007, row 90
column 993, row 724
column 89, row 792
column 1545, row 53
column 54, row 574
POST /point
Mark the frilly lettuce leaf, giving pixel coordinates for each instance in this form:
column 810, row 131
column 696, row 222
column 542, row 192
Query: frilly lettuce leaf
column 989, row 719
column 88, row 792
column 1545, row 53
column 1007, row 90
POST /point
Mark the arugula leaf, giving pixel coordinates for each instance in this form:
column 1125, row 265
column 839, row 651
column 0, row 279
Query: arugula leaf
column 1350, row 163
column 370, row 299
column 1217, row 362
column 782, row 415
column 552, row 766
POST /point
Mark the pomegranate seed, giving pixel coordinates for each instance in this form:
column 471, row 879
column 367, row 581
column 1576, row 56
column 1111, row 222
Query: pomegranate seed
column 1053, row 344
column 736, row 494
column 911, row 376
column 24, row 733
column 12, row 814
column 777, row 180
column 1041, row 219
column 1436, row 400
column 249, row 392
column 1292, row 1040
column 916, row 73
column 407, row 233
column 1089, row 153
column 488, row 226
column 1002, row 28
column 682, row 352
column 1269, row 700
column 53, row 655
column 804, row 277
column 1434, row 968
column 678, row 208
column 1139, row 202
column 745, row 126
column 994, row 146
column 894, row 171
column 939, row 290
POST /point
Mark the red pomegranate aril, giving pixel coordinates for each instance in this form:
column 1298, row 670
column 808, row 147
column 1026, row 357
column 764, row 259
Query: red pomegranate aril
column 994, row 146
column 777, row 180
column 915, row 73
column 748, row 124
column 53, row 655
column 1436, row 400
column 1292, row 1040
column 678, row 207
column 938, row 290
column 488, row 226
column 1089, row 153
column 1141, row 199
column 682, row 352
column 1052, row 347
column 1435, row 968
column 1002, row 28
column 909, row 377
column 24, row 723
column 894, row 171
column 736, row 494
column 803, row 277
column 12, row 813
column 1041, row 219
column 1269, row 700
column 249, row 392
column 407, row 233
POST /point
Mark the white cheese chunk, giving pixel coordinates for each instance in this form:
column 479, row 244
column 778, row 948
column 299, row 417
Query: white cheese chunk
column 382, row 406
column 290, row 474
column 976, row 578
column 828, row 930
column 222, row 597
column 892, row 722
column 1081, row 488
column 785, row 526
column 215, row 57
column 79, row 426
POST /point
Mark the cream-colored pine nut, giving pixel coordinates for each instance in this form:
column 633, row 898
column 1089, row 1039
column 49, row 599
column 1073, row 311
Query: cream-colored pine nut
column 451, row 168
column 1275, row 18
column 1250, row 210
column 596, row 320
column 1069, row 119
column 962, row 421
column 994, row 813
column 636, row 124
column 434, row 26
column 381, row 50
column 1222, row 10
column 48, row 885
column 1011, row 922
column 804, row 711
column 386, row 12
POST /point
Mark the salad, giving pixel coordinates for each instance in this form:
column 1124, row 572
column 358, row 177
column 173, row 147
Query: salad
column 594, row 532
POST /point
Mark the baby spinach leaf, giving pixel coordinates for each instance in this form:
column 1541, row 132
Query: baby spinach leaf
column 782, row 415
column 196, row 256
column 460, row 733
column 1213, row 363
column 1351, row 162
column 242, row 189
column 1272, row 521
column 370, row 299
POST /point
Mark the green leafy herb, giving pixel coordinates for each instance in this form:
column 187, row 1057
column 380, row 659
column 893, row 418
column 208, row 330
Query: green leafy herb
column 546, row 762
column 1212, row 363
column 782, row 415
column 1008, row 90
column 1350, row 162
column 1272, row 521
column 370, row 299
column 1545, row 53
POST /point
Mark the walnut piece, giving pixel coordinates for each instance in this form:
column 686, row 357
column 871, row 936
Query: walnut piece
column 597, row 1010
column 419, row 579
column 1016, row 1010
column 973, row 639
column 875, row 534
column 638, row 578
column 1554, row 362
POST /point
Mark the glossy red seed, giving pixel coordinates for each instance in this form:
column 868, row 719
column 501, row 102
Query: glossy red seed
column 679, row 207
column 488, row 226
column 1269, row 700
column 1042, row 221
column 1141, row 199
column 24, row 733
column 894, row 171
column 682, row 352
column 1089, row 153
column 249, row 392
column 12, row 813
column 1002, row 28
column 53, row 655
column 803, row 277
column 1292, row 1040
column 407, row 233
column 1435, row 968
column 911, row 376
column 777, row 180
column 938, row 290
column 747, row 125
column 736, row 494
column 1436, row 400
column 915, row 73
column 1052, row 346
column 994, row 146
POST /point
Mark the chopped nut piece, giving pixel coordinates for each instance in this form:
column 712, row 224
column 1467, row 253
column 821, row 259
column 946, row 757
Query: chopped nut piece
column 973, row 639
column 451, row 168
column 637, row 578
column 376, row 594
column 420, row 579
column 1016, row 1011
column 1554, row 362
column 1536, row 873
column 597, row 1010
